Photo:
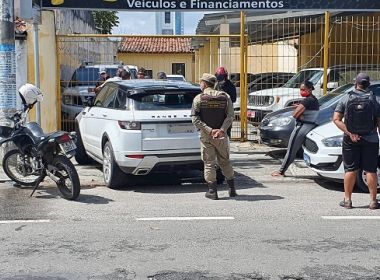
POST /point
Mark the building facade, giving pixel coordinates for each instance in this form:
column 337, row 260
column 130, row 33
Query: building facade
column 169, row 23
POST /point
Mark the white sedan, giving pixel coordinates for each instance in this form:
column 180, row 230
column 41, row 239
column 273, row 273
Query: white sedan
column 323, row 153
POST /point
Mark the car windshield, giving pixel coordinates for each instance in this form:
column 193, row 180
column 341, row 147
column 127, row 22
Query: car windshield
column 89, row 76
column 164, row 101
column 311, row 75
column 334, row 96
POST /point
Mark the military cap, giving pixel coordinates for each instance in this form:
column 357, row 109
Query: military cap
column 207, row 77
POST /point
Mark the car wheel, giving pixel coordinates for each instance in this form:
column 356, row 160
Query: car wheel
column 112, row 174
column 80, row 154
column 361, row 180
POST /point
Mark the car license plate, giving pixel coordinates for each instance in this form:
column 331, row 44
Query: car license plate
column 181, row 128
column 251, row 114
column 68, row 146
column 306, row 158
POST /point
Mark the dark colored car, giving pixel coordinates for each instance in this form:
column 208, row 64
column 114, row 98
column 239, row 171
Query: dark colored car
column 276, row 127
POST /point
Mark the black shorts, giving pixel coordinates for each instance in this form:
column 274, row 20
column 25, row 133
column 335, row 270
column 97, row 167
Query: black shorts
column 361, row 155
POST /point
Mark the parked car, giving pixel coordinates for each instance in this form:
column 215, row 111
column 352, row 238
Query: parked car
column 261, row 103
column 235, row 78
column 176, row 78
column 263, row 81
column 137, row 127
column 276, row 127
column 80, row 88
column 323, row 150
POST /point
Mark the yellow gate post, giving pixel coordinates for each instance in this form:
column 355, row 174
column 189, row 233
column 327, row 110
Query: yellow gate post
column 326, row 51
column 243, row 83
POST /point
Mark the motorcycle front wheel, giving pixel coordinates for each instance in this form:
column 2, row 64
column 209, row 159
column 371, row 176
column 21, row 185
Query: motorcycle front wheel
column 68, row 180
column 18, row 168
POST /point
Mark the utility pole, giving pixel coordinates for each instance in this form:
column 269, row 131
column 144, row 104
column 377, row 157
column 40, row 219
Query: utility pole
column 8, row 97
column 8, row 90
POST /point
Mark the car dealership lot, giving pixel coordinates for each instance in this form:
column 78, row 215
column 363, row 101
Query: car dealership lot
column 164, row 228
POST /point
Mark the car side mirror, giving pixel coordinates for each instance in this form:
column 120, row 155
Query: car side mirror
column 89, row 102
column 332, row 85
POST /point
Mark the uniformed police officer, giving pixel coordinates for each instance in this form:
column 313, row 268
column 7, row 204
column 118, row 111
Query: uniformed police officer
column 212, row 114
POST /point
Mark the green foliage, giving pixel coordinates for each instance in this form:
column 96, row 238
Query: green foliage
column 105, row 20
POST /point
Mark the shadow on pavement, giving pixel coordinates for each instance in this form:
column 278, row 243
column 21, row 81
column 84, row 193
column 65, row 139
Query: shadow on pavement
column 191, row 182
column 252, row 197
column 330, row 185
column 83, row 198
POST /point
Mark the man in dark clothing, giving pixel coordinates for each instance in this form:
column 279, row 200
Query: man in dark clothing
column 360, row 150
column 306, row 114
column 224, row 83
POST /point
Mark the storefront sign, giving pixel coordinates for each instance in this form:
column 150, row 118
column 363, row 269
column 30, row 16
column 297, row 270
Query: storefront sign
column 216, row 5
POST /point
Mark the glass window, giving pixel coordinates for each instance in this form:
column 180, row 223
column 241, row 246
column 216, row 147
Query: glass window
column 167, row 17
column 312, row 75
column 164, row 101
column 88, row 76
column 106, row 97
column 178, row 69
column 121, row 100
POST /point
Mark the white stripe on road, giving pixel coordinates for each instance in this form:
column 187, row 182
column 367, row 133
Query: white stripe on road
column 351, row 217
column 184, row 218
column 23, row 221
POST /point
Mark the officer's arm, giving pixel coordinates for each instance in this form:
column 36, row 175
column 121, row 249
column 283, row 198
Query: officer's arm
column 196, row 118
column 230, row 116
column 378, row 124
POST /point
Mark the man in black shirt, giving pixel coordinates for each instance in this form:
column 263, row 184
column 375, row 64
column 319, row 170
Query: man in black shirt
column 360, row 150
column 305, row 113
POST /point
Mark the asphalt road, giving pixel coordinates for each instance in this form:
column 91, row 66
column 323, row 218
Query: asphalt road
column 164, row 228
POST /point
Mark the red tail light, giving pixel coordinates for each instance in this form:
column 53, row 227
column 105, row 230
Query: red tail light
column 64, row 138
column 136, row 156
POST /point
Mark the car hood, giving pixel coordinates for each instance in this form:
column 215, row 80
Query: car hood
column 276, row 92
column 327, row 130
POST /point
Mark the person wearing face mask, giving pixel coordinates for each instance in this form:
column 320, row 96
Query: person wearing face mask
column 305, row 113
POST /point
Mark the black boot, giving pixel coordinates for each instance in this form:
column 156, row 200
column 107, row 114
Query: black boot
column 231, row 188
column 212, row 192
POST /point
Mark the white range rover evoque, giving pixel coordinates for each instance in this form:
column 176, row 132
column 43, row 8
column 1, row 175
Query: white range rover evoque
column 135, row 127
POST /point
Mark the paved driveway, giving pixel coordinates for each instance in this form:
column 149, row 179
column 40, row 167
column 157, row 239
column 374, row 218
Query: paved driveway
column 164, row 228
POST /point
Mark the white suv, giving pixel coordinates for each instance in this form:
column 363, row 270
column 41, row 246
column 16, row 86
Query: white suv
column 139, row 126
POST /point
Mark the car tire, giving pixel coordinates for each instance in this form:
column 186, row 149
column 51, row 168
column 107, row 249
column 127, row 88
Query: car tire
column 81, row 156
column 361, row 182
column 113, row 176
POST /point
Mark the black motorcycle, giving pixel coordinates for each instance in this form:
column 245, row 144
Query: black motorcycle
column 38, row 155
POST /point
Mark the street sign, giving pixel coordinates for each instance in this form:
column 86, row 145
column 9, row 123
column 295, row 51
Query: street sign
column 216, row 5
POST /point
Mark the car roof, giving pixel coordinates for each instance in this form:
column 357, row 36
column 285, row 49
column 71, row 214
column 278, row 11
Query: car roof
column 148, row 84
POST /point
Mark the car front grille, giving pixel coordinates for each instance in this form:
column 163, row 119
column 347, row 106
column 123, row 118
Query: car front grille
column 255, row 100
column 311, row 146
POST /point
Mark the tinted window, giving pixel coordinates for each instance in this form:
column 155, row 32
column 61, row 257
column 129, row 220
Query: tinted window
column 164, row 101
column 121, row 100
column 89, row 76
column 311, row 75
column 106, row 97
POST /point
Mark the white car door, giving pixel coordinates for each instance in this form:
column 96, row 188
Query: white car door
column 97, row 118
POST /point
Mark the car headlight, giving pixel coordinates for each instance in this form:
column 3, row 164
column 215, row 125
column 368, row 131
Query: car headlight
column 335, row 141
column 280, row 121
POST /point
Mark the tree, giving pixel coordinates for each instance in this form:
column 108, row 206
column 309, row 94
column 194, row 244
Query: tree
column 105, row 20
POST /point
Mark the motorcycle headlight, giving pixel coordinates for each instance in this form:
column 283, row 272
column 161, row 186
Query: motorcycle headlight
column 280, row 121
column 335, row 141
